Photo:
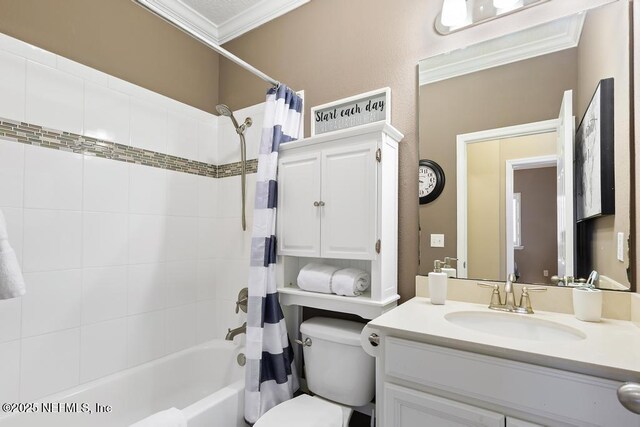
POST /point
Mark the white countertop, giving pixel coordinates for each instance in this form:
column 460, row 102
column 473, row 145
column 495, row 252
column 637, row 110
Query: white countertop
column 611, row 348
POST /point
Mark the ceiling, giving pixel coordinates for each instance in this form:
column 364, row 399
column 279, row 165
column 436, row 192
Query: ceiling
column 222, row 20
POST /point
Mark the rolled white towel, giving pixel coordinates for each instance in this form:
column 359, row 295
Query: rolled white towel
column 350, row 282
column 316, row 277
column 11, row 280
column 170, row 418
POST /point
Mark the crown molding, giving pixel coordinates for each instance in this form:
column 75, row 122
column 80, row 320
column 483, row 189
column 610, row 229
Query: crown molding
column 176, row 12
column 259, row 14
column 536, row 41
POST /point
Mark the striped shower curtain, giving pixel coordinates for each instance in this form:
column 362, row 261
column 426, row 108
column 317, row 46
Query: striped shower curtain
column 270, row 375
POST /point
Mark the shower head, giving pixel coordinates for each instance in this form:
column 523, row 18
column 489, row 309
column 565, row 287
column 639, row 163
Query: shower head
column 224, row 110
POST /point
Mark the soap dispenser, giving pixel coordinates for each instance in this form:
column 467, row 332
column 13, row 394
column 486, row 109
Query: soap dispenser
column 447, row 269
column 438, row 284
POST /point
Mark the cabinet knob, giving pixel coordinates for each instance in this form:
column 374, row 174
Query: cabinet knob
column 374, row 339
column 316, row 204
column 629, row 396
column 321, row 203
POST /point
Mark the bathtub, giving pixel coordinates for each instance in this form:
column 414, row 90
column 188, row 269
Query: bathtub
column 205, row 381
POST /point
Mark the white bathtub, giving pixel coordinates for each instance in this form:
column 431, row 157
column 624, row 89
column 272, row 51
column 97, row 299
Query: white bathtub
column 204, row 381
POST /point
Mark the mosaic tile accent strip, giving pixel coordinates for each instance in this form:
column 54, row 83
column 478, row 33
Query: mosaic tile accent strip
column 233, row 169
column 31, row 134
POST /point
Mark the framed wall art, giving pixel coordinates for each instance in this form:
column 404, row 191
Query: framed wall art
column 594, row 156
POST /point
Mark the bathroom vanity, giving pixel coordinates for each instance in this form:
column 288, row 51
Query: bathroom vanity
column 463, row 364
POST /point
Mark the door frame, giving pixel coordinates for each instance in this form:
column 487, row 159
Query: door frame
column 462, row 142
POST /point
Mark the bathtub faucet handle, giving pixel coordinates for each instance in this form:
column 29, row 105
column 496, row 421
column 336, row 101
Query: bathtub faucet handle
column 243, row 299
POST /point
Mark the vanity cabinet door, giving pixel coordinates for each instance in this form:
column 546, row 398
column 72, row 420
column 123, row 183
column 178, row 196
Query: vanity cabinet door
column 410, row 408
column 514, row 422
column 298, row 204
column 349, row 193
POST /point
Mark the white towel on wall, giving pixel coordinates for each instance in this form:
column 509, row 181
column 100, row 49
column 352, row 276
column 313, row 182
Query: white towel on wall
column 316, row 277
column 170, row 418
column 11, row 280
column 350, row 282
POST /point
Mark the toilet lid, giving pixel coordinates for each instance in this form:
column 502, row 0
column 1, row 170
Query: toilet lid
column 303, row 411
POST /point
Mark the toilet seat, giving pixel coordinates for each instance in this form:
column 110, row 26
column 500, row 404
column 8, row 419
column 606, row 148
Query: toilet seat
column 305, row 411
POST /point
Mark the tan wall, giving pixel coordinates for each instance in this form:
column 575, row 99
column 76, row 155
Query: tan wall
column 483, row 201
column 539, row 224
column 518, row 93
column 604, row 52
column 119, row 38
column 334, row 49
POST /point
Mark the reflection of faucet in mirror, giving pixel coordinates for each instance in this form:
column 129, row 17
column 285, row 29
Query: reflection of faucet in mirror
column 494, row 94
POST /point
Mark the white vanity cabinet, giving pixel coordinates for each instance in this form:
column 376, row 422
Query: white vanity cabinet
column 338, row 204
column 405, row 407
column 425, row 384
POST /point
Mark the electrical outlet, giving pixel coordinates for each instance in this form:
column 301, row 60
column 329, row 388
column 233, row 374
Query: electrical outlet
column 437, row 240
column 621, row 247
column 545, row 273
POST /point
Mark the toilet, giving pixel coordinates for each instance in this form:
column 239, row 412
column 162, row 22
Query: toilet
column 339, row 374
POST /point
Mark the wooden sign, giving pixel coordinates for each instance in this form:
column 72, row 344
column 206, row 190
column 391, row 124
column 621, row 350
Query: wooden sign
column 370, row 107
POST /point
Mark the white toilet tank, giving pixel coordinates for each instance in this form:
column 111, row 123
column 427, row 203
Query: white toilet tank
column 336, row 366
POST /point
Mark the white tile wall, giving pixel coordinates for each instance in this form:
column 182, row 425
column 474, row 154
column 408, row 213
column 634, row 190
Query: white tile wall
column 123, row 263
column 12, row 86
column 106, row 113
column 103, row 349
column 11, row 173
column 104, row 294
column 53, row 179
column 54, row 98
column 148, row 126
column 52, row 302
column 105, row 185
column 52, row 240
column 49, row 363
column 145, row 337
column 10, row 371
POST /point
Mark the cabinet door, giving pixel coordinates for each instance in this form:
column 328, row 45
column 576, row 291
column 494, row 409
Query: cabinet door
column 404, row 407
column 349, row 189
column 514, row 422
column 298, row 218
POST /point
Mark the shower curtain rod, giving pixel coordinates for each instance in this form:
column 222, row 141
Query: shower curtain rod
column 147, row 4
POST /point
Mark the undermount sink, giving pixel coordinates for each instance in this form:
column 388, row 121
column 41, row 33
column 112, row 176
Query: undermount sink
column 512, row 325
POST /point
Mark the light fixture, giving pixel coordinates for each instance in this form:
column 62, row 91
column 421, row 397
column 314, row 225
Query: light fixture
column 506, row 4
column 454, row 13
column 458, row 15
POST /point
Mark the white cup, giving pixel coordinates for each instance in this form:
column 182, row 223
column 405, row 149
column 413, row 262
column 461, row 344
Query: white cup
column 587, row 304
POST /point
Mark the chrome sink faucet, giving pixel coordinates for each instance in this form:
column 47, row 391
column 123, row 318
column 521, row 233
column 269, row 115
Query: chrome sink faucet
column 524, row 306
column 509, row 295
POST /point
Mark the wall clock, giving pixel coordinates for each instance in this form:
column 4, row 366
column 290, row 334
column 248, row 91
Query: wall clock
column 430, row 181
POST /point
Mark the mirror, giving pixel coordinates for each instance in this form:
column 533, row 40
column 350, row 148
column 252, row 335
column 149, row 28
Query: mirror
column 500, row 119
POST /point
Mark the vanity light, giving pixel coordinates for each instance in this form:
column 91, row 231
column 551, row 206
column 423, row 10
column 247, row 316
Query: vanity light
column 506, row 5
column 457, row 15
column 454, row 13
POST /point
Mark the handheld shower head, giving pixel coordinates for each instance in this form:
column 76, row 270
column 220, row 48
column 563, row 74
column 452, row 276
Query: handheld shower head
column 224, row 110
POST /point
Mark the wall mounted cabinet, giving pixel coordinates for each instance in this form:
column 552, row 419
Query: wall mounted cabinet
column 338, row 203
